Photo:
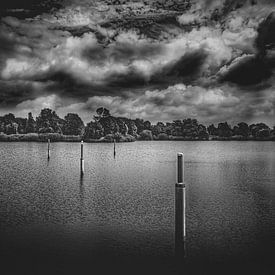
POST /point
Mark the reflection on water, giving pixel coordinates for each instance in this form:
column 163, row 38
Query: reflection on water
column 124, row 203
column 179, row 223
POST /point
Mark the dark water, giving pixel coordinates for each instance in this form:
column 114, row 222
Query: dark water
column 52, row 222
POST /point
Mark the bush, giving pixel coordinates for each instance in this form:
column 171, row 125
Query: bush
column 51, row 137
column 71, row 138
column 163, row 136
column 127, row 138
column 108, row 138
column 3, row 137
column 146, row 135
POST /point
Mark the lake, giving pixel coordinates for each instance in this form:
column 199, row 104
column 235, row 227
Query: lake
column 123, row 207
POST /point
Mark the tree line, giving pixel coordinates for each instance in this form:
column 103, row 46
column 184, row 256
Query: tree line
column 105, row 127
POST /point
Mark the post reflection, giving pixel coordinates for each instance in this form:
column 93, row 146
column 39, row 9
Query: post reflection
column 81, row 198
column 179, row 224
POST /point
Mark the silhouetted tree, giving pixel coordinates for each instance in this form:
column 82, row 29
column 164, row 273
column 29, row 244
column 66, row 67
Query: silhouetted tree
column 177, row 128
column 8, row 124
column 224, row 130
column 108, row 127
column 132, row 128
column 139, row 124
column 169, row 128
column 202, row 132
column 158, row 129
column 21, row 122
column 212, row 130
column 147, row 125
column 31, row 124
column 101, row 113
column 93, row 130
column 73, row 125
column 146, row 135
column 242, row 130
column 259, row 130
column 49, row 122
column 123, row 127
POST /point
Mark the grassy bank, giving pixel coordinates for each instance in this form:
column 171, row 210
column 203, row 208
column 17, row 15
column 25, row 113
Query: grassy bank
column 54, row 137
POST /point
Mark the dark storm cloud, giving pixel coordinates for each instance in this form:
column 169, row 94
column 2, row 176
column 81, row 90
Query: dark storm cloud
column 28, row 8
column 7, row 46
column 251, row 71
column 132, row 79
column 65, row 85
column 11, row 93
column 256, row 69
column 183, row 70
column 122, row 52
column 64, row 81
column 187, row 67
column 266, row 34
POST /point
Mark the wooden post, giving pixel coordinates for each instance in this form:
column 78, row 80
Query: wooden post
column 81, row 160
column 114, row 147
column 49, row 152
column 180, row 207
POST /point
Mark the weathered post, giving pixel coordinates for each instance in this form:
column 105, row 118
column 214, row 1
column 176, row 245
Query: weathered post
column 114, row 148
column 49, row 151
column 180, row 205
column 81, row 160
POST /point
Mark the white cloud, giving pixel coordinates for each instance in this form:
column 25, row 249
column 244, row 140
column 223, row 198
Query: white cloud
column 35, row 106
column 187, row 19
column 176, row 102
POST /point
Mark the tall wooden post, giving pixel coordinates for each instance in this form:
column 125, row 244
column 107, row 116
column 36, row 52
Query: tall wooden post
column 180, row 207
column 114, row 147
column 49, row 151
column 81, row 160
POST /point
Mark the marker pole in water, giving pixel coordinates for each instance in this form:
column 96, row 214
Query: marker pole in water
column 180, row 206
column 49, row 151
column 81, row 160
column 114, row 147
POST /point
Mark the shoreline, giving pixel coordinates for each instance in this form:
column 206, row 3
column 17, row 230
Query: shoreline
column 54, row 137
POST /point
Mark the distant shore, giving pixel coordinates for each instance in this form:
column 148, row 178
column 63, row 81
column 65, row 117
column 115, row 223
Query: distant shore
column 54, row 137
column 106, row 128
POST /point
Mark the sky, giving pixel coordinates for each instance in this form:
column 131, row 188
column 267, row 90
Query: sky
column 213, row 60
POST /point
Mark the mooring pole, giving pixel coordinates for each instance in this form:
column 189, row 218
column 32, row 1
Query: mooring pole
column 49, row 151
column 81, row 160
column 180, row 206
column 114, row 147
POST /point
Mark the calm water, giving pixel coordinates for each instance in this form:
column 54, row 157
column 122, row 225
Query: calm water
column 125, row 206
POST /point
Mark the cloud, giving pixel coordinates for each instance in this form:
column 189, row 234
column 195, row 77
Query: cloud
column 187, row 19
column 16, row 91
column 266, row 34
column 249, row 70
column 210, row 105
column 130, row 61
column 259, row 67
column 175, row 102
column 28, row 8
column 85, row 52
column 35, row 106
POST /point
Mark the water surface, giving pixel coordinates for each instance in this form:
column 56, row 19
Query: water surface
column 124, row 206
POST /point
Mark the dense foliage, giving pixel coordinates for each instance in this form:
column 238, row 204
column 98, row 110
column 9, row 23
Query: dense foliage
column 105, row 127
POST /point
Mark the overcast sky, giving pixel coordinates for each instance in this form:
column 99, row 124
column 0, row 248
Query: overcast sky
column 213, row 61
